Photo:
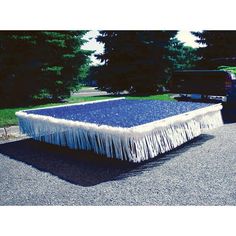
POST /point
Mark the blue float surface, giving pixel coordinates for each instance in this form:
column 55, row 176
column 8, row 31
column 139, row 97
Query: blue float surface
column 120, row 113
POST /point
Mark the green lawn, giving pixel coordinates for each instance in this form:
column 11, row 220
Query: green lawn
column 8, row 118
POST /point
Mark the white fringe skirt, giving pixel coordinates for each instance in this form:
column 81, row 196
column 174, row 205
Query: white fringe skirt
column 135, row 144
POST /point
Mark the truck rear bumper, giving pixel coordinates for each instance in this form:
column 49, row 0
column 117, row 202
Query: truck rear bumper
column 204, row 97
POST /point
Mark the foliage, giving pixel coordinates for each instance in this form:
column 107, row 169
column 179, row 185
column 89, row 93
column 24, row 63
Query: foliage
column 40, row 64
column 133, row 60
column 181, row 57
column 218, row 49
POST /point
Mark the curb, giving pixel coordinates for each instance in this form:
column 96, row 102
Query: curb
column 11, row 132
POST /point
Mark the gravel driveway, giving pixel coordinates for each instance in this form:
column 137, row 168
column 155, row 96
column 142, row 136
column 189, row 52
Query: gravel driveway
column 201, row 172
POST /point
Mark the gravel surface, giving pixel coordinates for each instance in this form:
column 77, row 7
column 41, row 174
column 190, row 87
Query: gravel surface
column 201, row 172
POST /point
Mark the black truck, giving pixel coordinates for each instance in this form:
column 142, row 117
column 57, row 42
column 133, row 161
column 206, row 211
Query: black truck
column 213, row 85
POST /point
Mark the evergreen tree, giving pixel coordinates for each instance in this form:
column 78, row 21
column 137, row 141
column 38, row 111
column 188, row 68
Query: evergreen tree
column 218, row 49
column 182, row 57
column 40, row 64
column 133, row 60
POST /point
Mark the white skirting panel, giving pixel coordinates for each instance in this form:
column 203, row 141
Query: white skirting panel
column 133, row 144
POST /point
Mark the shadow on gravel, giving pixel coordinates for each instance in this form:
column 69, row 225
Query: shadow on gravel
column 82, row 167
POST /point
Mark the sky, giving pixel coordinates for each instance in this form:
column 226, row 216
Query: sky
column 185, row 36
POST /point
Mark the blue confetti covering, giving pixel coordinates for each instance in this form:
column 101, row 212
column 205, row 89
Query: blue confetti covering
column 120, row 113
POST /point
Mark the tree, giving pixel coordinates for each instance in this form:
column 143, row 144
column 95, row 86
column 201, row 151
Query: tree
column 40, row 64
column 133, row 60
column 219, row 48
column 181, row 57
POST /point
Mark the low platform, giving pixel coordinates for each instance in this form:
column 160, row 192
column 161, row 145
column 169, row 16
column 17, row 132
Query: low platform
column 132, row 130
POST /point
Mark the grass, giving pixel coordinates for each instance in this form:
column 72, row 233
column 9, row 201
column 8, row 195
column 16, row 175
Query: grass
column 8, row 118
column 163, row 97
